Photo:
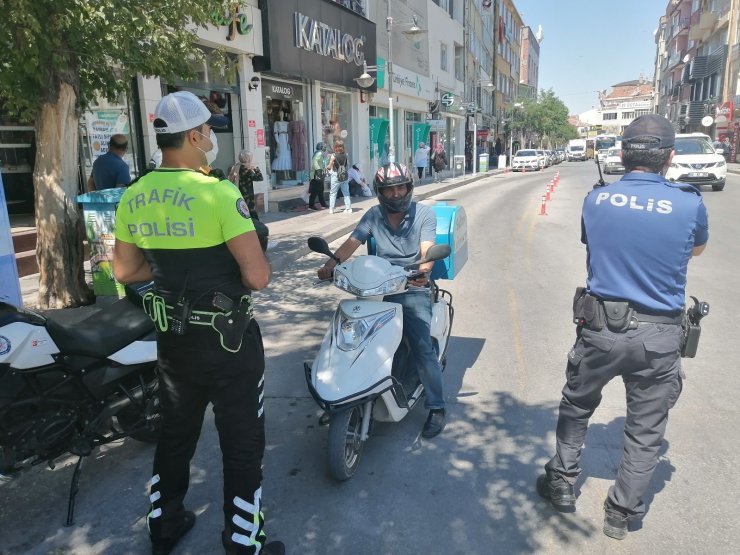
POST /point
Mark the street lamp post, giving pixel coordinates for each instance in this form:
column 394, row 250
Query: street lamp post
column 365, row 80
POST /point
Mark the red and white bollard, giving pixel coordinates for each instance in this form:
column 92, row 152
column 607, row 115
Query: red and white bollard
column 543, row 206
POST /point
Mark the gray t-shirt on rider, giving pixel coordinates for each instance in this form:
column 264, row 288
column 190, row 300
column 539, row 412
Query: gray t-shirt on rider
column 401, row 246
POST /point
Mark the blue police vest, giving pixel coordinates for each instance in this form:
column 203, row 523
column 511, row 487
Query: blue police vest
column 639, row 233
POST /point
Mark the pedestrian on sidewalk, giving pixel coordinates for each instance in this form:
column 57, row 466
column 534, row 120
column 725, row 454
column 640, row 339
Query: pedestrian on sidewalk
column 206, row 257
column 316, row 185
column 629, row 318
column 243, row 174
column 421, row 159
column 110, row 170
column 439, row 160
column 358, row 186
column 339, row 173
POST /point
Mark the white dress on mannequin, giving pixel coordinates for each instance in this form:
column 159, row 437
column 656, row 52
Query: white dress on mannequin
column 283, row 159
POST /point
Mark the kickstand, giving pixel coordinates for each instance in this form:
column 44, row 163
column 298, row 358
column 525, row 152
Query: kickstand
column 73, row 489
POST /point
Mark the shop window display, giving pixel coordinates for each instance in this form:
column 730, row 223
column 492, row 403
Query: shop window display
column 334, row 117
column 287, row 139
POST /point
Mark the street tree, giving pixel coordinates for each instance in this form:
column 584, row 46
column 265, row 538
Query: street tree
column 544, row 120
column 58, row 56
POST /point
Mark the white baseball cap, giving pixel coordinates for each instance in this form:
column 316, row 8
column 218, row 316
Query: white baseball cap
column 181, row 111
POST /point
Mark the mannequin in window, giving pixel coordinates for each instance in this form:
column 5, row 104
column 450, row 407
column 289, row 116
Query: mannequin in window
column 283, row 160
column 298, row 145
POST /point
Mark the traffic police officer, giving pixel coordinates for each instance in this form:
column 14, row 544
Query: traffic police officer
column 193, row 235
column 640, row 233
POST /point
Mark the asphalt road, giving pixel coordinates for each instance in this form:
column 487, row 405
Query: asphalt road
column 471, row 490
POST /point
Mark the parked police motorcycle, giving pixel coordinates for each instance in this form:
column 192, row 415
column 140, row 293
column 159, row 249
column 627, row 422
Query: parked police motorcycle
column 71, row 386
column 362, row 373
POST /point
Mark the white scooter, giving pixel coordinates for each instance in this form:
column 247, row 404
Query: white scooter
column 361, row 372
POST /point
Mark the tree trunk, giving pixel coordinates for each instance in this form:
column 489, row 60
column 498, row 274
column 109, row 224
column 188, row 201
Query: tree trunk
column 59, row 223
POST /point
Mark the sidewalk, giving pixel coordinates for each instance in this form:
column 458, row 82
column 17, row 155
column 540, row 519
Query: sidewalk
column 290, row 230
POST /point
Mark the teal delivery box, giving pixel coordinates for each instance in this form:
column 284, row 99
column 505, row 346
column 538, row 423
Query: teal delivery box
column 452, row 229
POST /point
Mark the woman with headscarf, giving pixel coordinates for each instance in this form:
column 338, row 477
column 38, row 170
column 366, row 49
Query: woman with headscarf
column 318, row 172
column 243, row 174
column 439, row 160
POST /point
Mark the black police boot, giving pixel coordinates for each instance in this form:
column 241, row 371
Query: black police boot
column 435, row 423
column 172, row 532
column 232, row 548
column 556, row 489
column 615, row 522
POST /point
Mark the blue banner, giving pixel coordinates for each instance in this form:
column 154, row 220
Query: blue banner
column 10, row 289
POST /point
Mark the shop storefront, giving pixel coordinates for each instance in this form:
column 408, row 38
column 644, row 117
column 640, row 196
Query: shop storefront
column 313, row 51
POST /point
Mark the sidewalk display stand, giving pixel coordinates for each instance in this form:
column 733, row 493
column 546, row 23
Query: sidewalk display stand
column 452, row 229
column 458, row 165
column 483, row 162
column 99, row 209
column 502, row 161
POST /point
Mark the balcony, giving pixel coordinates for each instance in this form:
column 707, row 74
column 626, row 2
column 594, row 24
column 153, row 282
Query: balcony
column 698, row 68
column 675, row 58
column 681, row 25
column 695, row 110
column 707, row 21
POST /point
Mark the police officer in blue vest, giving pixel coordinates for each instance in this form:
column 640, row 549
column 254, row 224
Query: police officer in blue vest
column 640, row 234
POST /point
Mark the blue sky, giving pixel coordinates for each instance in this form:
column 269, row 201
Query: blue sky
column 592, row 45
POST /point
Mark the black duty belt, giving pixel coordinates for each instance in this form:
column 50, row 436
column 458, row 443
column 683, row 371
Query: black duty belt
column 657, row 318
column 618, row 316
column 229, row 318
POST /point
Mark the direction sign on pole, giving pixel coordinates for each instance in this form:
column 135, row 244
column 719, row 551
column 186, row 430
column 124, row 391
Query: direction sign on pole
column 448, row 99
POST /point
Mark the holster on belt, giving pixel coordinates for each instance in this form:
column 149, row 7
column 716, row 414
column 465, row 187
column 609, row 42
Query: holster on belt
column 586, row 310
column 232, row 325
column 596, row 314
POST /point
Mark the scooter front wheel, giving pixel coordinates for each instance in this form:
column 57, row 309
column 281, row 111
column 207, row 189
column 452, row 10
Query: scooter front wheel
column 345, row 443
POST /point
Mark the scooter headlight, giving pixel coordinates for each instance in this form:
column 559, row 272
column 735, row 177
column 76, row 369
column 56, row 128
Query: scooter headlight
column 393, row 285
column 351, row 332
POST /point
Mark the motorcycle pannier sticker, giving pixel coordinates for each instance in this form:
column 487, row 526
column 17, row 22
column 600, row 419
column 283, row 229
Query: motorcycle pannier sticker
column 4, row 345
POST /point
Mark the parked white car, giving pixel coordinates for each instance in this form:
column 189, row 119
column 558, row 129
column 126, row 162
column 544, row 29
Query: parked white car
column 525, row 160
column 613, row 161
column 697, row 162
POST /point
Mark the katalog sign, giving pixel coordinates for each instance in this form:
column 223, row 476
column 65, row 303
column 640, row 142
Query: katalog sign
column 315, row 40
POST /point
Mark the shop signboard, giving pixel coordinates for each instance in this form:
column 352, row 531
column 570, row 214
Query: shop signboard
column 421, row 134
column 101, row 125
column 10, row 289
column 315, row 40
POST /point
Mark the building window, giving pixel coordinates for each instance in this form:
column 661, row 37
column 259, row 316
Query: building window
column 459, row 60
column 639, row 113
column 628, row 115
column 610, row 116
column 443, row 57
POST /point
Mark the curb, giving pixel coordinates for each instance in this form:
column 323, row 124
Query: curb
column 280, row 261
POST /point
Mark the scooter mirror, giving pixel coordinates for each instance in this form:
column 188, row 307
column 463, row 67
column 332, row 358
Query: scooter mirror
column 319, row 244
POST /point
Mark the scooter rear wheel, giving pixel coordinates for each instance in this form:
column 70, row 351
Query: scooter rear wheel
column 345, row 443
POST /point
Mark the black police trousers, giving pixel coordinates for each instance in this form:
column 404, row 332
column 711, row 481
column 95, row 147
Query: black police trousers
column 649, row 362
column 194, row 371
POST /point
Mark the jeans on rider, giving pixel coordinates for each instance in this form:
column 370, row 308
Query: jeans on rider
column 417, row 318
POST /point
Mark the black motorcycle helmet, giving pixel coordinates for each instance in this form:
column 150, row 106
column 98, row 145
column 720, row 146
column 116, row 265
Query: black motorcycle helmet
column 391, row 175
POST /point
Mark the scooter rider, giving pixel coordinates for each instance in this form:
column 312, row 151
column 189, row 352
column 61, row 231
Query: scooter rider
column 403, row 232
column 640, row 234
column 194, row 236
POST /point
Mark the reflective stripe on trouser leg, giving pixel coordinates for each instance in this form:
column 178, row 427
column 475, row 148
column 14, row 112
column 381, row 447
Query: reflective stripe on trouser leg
column 154, row 496
column 247, row 530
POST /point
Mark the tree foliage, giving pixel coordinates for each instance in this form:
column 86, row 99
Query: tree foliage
column 543, row 121
column 58, row 56
column 96, row 46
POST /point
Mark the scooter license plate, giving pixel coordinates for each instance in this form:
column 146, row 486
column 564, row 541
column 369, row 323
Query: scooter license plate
column 698, row 174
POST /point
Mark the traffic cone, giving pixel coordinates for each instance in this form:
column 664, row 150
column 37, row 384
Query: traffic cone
column 543, row 207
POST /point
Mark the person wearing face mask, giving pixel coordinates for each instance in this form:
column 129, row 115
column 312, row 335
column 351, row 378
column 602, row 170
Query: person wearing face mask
column 193, row 235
